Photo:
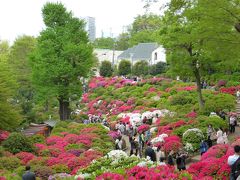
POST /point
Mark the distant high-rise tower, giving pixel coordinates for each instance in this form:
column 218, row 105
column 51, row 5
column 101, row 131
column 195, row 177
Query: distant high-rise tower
column 90, row 28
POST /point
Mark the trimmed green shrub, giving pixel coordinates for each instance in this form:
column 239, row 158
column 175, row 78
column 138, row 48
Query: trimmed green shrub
column 59, row 168
column 42, row 172
column 17, row 142
column 193, row 136
column 9, row 163
column 37, row 138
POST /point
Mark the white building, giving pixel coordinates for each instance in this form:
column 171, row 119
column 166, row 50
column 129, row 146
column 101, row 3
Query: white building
column 90, row 28
column 107, row 54
column 150, row 52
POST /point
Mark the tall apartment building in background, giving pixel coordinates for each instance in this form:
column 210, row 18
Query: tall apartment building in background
column 90, row 27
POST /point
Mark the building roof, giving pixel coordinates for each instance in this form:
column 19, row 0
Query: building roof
column 142, row 51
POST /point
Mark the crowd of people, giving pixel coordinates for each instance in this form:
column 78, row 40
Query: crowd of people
column 141, row 146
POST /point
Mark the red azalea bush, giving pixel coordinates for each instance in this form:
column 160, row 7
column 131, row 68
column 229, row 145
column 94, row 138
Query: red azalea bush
column 191, row 115
column 143, row 128
column 159, row 172
column 216, row 151
column 172, row 145
column 3, row 135
column 110, row 176
column 230, row 90
column 25, row 157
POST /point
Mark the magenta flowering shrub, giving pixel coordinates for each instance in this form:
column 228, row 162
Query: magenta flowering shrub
column 143, row 128
column 25, row 157
column 3, row 135
column 159, row 172
column 230, row 90
column 110, row 176
column 114, row 134
column 216, row 151
column 174, row 145
column 192, row 115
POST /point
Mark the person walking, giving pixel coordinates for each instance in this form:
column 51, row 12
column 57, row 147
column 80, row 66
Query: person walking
column 180, row 160
column 133, row 145
column 210, row 134
column 220, row 139
column 28, row 175
column 225, row 137
column 232, row 123
column 203, row 147
column 234, row 163
column 170, row 160
column 150, row 152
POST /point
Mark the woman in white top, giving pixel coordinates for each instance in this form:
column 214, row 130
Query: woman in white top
column 220, row 139
column 225, row 137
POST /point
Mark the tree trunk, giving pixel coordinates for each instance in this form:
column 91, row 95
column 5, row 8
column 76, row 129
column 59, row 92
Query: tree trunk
column 64, row 110
column 199, row 89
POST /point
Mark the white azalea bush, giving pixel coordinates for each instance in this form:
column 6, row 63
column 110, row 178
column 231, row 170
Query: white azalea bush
column 116, row 154
column 189, row 148
column 193, row 136
column 159, row 138
column 110, row 164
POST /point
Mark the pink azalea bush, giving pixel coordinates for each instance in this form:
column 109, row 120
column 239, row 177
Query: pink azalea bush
column 110, row 176
column 3, row 135
column 143, row 128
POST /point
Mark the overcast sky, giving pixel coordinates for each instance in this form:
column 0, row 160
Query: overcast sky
column 19, row 17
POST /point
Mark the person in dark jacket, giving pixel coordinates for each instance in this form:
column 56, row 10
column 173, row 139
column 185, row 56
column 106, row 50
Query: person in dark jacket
column 170, row 158
column 180, row 160
column 28, row 175
column 203, row 147
column 134, row 145
column 150, row 152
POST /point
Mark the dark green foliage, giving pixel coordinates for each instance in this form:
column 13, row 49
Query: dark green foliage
column 140, row 68
column 106, row 69
column 19, row 62
column 37, row 138
column 9, row 114
column 63, row 54
column 158, row 68
column 124, row 67
column 17, row 142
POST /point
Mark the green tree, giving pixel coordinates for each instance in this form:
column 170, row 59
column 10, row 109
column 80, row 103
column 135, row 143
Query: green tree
column 106, row 69
column 63, row 55
column 104, row 43
column 140, row 68
column 144, row 29
column 9, row 115
column 19, row 61
column 124, row 67
column 122, row 42
column 181, row 37
column 159, row 68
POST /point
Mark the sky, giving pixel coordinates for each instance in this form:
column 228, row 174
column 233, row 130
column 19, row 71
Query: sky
column 18, row 17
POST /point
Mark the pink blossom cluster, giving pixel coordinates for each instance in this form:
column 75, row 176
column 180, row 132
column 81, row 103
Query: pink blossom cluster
column 110, row 176
column 230, row 90
column 105, row 82
column 191, row 115
column 25, row 157
column 3, row 135
column 143, row 128
column 159, row 172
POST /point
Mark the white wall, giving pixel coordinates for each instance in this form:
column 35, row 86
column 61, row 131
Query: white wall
column 106, row 54
column 161, row 55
